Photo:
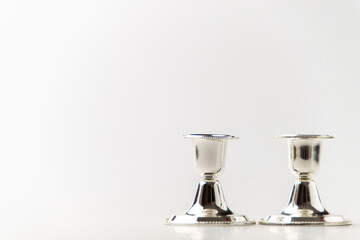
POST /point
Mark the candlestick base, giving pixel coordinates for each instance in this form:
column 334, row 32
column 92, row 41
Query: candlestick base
column 328, row 220
column 213, row 220
column 209, row 207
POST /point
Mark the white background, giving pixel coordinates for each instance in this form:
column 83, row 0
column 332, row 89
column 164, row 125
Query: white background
column 95, row 96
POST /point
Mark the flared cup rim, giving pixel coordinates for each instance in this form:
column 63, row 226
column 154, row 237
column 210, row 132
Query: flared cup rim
column 209, row 136
column 306, row 136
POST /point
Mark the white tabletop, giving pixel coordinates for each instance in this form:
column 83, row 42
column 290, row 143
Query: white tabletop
column 160, row 231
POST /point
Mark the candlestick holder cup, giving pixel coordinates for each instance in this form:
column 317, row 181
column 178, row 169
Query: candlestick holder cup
column 305, row 207
column 209, row 206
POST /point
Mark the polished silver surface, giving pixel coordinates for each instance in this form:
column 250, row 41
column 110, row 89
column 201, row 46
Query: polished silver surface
column 209, row 206
column 305, row 207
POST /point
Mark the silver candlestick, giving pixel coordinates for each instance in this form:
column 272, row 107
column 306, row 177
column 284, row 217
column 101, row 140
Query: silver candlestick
column 305, row 207
column 209, row 206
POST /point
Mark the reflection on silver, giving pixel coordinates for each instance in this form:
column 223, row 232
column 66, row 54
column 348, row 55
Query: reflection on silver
column 209, row 206
column 305, row 207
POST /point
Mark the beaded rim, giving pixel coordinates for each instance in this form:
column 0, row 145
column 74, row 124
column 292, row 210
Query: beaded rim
column 344, row 221
column 306, row 136
column 229, row 219
column 235, row 222
column 210, row 136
